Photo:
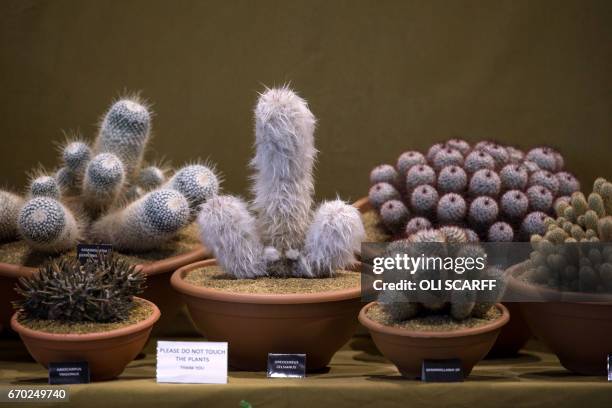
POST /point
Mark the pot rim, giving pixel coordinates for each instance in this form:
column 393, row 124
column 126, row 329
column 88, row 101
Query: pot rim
column 363, row 204
column 87, row 337
column 178, row 283
column 548, row 294
column 396, row 331
column 153, row 268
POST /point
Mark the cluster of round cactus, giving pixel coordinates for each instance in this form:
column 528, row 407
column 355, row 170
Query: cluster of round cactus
column 103, row 193
column 573, row 254
column 498, row 192
column 453, row 242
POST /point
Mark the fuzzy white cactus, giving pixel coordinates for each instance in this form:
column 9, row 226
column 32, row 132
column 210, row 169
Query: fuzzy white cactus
column 284, row 239
column 144, row 224
column 229, row 230
column 124, row 131
column 48, row 226
column 75, row 155
column 10, row 205
column 151, row 177
column 283, row 164
column 333, row 238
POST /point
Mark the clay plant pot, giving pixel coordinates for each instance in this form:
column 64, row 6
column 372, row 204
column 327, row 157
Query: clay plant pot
column 108, row 353
column 513, row 336
column 316, row 324
column 408, row 348
column 158, row 288
column 578, row 332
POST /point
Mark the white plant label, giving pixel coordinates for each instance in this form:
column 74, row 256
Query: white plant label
column 191, row 362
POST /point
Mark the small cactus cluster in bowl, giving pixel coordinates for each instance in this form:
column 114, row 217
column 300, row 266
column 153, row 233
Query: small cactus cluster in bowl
column 574, row 253
column 103, row 193
column 459, row 304
column 497, row 193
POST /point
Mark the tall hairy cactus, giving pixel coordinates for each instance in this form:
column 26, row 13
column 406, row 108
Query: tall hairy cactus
column 101, row 194
column 124, row 132
column 145, row 223
column 10, row 205
column 282, row 237
column 283, row 163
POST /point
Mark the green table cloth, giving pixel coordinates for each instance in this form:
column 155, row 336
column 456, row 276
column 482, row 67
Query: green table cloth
column 358, row 376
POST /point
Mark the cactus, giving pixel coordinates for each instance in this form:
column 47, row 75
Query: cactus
column 512, row 180
column 103, row 182
column 145, row 223
column 100, row 291
column 44, row 186
column 132, row 208
column 283, row 238
column 557, row 262
column 197, row 183
column 460, row 305
column 10, row 205
column 47, row 225
column 230, row 231
column 124, row 132
column 151, row 177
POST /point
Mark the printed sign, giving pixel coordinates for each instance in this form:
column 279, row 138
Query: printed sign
column 92, row 251
column 286, row 365
column 191, row 362
column 442, row 371
column 69, row 373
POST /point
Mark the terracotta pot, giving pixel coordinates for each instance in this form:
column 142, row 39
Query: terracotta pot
column 408, row 348
column 158, row 288
column 578, row 333
column 513, row 336
column 316, row 324
column 108, row 353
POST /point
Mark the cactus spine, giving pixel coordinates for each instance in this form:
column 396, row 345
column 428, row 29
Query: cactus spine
column 10, row 205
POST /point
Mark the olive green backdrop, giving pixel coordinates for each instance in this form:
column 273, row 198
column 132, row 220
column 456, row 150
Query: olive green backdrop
column 381, row 76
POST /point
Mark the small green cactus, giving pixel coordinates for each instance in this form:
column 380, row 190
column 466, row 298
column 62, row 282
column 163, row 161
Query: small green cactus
column 558, row 262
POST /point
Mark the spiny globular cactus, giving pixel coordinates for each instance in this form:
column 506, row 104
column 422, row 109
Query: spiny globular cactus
column 283, row 237
column 100, row 291
column 446, row 242
column 573, row 253
column 473, row 187
column 101, row 194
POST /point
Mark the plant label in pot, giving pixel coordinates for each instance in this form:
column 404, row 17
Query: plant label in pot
column 442, row 370
column 286, row 365
column 69, row 373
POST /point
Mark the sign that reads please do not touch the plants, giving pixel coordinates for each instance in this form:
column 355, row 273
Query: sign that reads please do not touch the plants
column 191, row 362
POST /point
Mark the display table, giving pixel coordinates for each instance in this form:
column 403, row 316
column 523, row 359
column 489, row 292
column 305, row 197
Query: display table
column 358, row 376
